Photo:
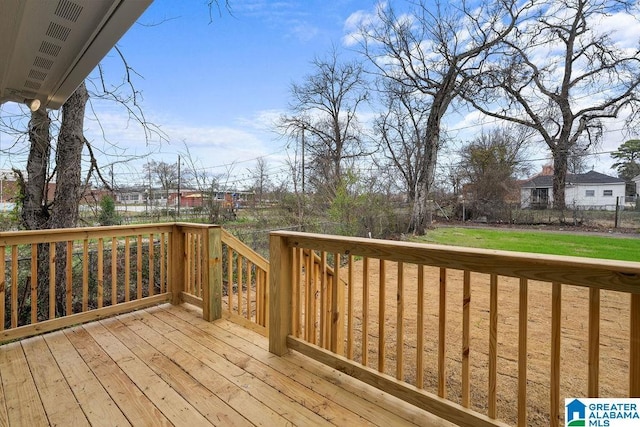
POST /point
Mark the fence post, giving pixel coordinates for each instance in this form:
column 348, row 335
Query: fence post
column 280, row 262
column 177, row 264
column 212, row 289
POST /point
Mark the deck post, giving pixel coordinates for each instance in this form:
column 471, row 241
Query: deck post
column 212, row 289
column 280, row 261
column 177, row 264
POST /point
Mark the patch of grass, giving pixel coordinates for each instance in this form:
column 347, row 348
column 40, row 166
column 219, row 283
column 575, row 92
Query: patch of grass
column 554, row 243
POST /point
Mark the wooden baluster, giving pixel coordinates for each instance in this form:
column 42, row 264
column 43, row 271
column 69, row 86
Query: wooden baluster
column 594, row 342
column 466, row 337
column 114, row 270
column 249, row 275
column 52, row 281
column 240, row 282
column 139, row 267
column 350, row 275
column 337, row 307
column 493, row 345
column 324, row 303
column 400, row 323
column 523, row 322
column 197, row 264
column 14, row 286
column 188, row 264
column 69, row 279
column 229, row 279
column 556, row 314
column 381, row 314
column 100, row 272
column 295, row 294
column 365, row 311
column 442, row 335
column 163, row 262
column 315, row 281
column 309, row 297
column 420, row 330
column 151, row 285
column 85, row 275
column 127, row 269
column 34, row 283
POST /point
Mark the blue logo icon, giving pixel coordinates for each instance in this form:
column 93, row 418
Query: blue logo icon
column 575, row 413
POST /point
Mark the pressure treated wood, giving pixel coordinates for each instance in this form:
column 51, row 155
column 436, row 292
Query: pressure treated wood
column 167, row 366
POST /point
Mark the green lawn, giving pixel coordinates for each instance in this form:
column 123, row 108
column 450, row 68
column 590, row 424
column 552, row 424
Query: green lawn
column 557, row 243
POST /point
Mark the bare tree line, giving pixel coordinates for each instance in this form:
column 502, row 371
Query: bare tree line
column 543, row 69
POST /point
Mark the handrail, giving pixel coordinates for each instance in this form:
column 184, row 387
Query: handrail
column 385, row 355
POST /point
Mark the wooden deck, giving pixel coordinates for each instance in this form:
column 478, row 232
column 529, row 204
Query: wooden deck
column 167, row 366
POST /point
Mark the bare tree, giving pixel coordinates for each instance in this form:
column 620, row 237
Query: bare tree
column 324, row 108
column 434, row 51
column 562, row 76
column 402, row 129
column 260, row 177
column 162, row 173
column 490, row 164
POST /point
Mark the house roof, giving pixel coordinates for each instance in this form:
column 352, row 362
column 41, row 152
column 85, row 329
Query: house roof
column 49, row 47
column 591, row 177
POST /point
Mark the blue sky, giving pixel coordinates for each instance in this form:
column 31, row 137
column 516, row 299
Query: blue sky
column 217, row 85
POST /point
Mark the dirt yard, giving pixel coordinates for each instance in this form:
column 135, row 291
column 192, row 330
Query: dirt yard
column 614, row 332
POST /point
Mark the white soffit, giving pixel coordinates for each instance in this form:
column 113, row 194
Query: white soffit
column 48, row 47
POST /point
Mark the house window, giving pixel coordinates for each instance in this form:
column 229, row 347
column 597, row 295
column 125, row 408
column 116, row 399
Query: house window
column 607, row 193
column 590, row 193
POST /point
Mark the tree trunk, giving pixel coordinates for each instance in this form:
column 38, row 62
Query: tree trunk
column 560, row 163
column 35, row 213
column 421, row 211
column 64, row 212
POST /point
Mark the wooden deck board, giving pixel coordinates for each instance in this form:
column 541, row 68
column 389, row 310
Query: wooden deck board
column 167, row 366
column 84, row 384
column 203, row 399
column 281, row 384
column 24, row 407
column 130, row 399
column 58, row 399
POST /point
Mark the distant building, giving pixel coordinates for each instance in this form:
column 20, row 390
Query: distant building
column 591, row 190
column 637, row 182
column 10, row 190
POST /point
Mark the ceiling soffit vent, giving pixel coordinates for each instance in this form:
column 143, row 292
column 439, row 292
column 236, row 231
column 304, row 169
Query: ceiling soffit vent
column 68, row 10
column 52, row 46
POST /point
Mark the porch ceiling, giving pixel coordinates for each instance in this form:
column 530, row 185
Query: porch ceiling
column 48, row 47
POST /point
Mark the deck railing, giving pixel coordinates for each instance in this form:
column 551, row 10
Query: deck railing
column 55, row 278
column 477, row 337
column 223, row 276
column 51, row 279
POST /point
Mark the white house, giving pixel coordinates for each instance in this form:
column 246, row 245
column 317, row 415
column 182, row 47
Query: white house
column 591, row 190
column 637, row 181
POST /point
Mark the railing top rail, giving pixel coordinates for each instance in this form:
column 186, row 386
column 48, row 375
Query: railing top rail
column 615, row 275
column 8, row 238
column 64, row 234
column 246, row 251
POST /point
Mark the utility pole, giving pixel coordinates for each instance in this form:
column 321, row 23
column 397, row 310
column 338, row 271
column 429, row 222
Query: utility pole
column 178, row 186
